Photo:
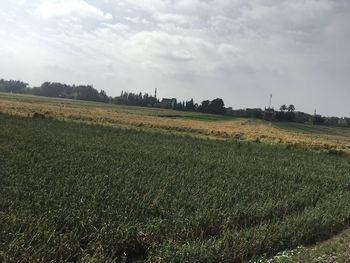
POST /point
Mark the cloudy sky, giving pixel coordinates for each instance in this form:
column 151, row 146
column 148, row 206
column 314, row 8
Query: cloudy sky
column 239, row 50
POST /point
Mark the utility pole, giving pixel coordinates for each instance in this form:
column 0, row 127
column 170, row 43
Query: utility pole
column 270, row 101
column 155, row 93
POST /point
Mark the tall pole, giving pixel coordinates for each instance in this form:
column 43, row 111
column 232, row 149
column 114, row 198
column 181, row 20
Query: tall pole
column 155, row 93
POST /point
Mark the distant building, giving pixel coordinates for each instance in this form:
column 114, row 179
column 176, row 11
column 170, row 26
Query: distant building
column 167, row 103
column 336, row 121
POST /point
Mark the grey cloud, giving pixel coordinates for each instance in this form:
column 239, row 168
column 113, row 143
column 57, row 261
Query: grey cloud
column 236, row 49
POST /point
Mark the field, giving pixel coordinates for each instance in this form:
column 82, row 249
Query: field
column 329, row 139
column 88, row 183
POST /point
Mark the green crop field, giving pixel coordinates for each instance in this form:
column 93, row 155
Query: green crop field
column 73, row 192
column 199, row 117
column 314, row 129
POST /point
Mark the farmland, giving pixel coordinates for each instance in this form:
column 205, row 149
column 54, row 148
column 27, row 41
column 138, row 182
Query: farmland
column 91, row 182
column 328, row 139
column 90, row 193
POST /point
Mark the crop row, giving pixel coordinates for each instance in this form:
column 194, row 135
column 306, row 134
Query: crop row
column 86, row 193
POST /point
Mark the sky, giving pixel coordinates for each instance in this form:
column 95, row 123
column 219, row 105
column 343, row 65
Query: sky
column 238, row 50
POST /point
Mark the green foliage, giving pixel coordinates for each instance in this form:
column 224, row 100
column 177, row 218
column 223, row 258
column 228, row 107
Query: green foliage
column 58, row 90
column 216, row 106
column 129, row 98
column 12, row 86
column 318, row 119
column 74, row 192
column 285, row 116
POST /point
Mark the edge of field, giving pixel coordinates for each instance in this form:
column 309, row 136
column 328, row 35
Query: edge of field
column 322, row 139
column 335, row 249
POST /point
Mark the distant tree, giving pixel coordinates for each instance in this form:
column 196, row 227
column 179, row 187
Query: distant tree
column 86, row 93
column 129, row 98
column 179, row 106
column 318, row 120
column 190, row 106
column 204, row 107
column 103, row 96
column 280, row 115
column 13, row 86
column 286, row 113
column 291, row 108
column 217, row 106
column 289, row 116
column 283, row 107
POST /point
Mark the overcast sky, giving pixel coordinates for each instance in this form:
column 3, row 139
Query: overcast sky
column 238, row 50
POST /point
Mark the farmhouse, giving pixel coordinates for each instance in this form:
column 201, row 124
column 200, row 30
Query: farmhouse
column 167, row 103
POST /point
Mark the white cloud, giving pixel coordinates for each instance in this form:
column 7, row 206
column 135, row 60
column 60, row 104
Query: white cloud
column 171, row 18
column 71, row 8
column 20, row 2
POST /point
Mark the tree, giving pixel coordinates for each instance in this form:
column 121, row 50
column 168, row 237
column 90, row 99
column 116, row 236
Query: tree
column 291, row 108
column 13, row 86
column 103, row 96
column 204, row 107
column 190, row 106
column 283, row 107
column 318, row 119
column 217, row 106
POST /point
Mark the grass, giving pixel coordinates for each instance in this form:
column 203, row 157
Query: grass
column 73, row 192
column 199, row 117
column 314, row 129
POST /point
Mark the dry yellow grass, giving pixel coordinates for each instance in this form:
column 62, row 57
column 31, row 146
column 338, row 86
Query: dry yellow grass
column 151, row 118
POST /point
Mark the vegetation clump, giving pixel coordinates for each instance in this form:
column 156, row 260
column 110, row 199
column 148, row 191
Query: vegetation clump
column 37, row 115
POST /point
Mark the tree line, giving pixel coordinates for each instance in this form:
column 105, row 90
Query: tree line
column 216, row 106
column 55, row 89
column 89, row 93
column 286, row 113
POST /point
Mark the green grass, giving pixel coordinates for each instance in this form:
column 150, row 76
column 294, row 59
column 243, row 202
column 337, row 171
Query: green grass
column 198, row 117
column 313, row 129
column 83, row 193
